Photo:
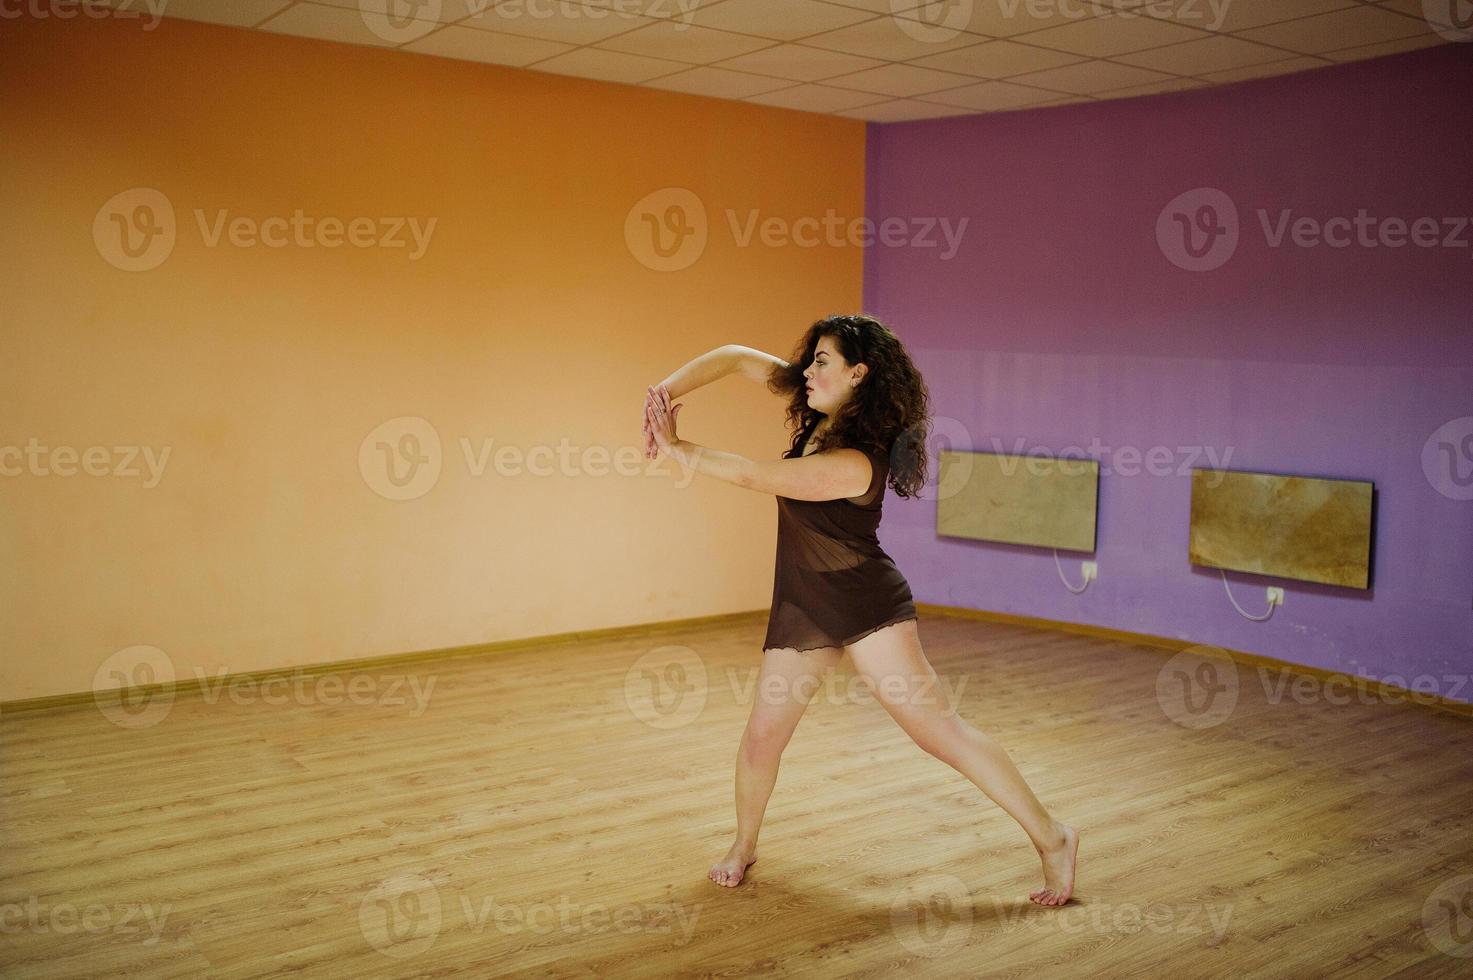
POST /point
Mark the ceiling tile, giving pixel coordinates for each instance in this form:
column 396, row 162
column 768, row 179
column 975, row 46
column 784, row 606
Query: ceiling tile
column 881, row 6
column 719, row 83
column 889, row 38
column 816, row 98
column 1216, row 53
column 783, row 20
column 1104, row 37
column 570, row 23
column 609, row 66
column 676, row 40
column 1230, row 15
column 335, row 24
column 799, row 63
column 1387, row 47
column 654, row 9
column 1067, row 100
column 486, row 46
column 998, row 59
column 900, row 80
column 882, row 60
column 235, row 13
column 440, row 11
column 992, row 96
column 904, row 110
column 1153, row 88
column 1438, row 14
column 1286, row 67
column 996, row 18
column 1341, row 29
column 1090, row 77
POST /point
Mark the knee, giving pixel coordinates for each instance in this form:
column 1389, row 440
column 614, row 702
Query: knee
column 939, row 737
column 764, row 740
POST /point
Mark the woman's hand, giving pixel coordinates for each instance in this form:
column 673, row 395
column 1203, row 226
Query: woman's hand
column 651, row 450
column 660, row 418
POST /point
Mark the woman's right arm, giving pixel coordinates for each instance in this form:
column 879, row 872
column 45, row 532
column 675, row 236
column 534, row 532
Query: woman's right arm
column 718, row 363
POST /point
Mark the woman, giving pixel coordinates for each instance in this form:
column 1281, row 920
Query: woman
column 857, row 404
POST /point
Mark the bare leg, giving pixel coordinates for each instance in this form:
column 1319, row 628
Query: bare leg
column 920, row 705
column 786, row 684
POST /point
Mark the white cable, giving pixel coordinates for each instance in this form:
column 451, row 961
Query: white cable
column 1256, row 619
column 1060, row 567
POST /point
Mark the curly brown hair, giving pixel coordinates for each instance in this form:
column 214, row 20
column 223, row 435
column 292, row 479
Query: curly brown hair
column 889, row 412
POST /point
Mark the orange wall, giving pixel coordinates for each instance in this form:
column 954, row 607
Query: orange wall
column 527, row 321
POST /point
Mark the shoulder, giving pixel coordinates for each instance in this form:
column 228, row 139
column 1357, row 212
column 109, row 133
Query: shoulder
column 858, row 469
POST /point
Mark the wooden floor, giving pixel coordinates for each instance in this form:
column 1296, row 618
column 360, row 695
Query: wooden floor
column 542, row 815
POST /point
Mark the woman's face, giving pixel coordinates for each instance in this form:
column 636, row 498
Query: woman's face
column 831, row 379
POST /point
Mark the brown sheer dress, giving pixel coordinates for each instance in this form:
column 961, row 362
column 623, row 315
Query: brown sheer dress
column 833, row 584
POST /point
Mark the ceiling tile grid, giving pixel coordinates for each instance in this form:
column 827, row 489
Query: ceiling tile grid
column 879, row 60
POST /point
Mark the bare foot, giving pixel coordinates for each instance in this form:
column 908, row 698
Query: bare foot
column 1058, row 870
column 730, row 870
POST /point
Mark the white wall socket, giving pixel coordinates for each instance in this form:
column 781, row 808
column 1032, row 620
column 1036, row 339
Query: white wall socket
column 1091, row 570
column 1275, row 596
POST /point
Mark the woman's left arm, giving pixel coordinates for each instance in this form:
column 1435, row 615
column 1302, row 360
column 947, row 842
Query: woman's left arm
column 827, row 475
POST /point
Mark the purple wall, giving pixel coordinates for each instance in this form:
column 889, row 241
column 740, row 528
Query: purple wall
column 1061, row 320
